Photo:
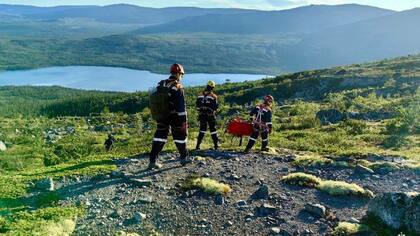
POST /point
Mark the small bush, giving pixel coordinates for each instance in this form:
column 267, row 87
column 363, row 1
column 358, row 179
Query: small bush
column 208, row 186
column 345, row 228
column 340, row 188
column 302, row 179
column 355, row 127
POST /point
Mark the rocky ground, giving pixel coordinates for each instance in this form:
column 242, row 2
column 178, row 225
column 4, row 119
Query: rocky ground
column 135, row 200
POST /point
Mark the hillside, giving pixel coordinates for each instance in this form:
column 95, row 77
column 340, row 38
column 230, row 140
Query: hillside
column 391, row 35
column 56, row 177
column 298, row 20
column 116, row 14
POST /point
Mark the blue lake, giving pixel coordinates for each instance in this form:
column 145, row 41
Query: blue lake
column 108, row 78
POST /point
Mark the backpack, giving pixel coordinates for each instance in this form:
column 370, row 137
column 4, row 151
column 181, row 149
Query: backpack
column 159, row 102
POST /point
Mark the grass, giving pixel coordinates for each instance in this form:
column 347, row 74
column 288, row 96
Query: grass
column 207, row 185
column 45, row 221
column 345, row 228
column 312, row 160
column 335, row 188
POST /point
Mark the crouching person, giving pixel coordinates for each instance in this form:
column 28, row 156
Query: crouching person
column 261, row 116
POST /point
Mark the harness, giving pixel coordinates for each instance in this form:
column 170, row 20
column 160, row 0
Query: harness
column 204, row 109
column 258, row 124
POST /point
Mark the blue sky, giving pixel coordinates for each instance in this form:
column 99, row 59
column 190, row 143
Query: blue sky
column 255, row 4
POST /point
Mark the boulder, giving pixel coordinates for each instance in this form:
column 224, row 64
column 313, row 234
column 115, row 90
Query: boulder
column 332, row 116
column 219, row 200
column 46, row 184
column 265, row 210
column 2, row 146
column 261, row 193
column 316, row 209
column 363, row 170
column 398, row 210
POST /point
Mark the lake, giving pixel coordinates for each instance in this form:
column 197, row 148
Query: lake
column 108, row 78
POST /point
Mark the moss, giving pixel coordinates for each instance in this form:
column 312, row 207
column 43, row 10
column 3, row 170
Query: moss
column 335, row 188
column 345, row 228
column 313, row 160
column 207, row 185
column 341, row 188
column 385, row 165
column 302, row 179
column 61, row 228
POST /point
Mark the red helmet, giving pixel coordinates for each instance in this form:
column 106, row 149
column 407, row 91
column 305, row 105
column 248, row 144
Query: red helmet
column 177, row 69
column 269, row 99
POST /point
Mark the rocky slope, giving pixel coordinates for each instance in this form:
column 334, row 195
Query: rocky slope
column 147, row 202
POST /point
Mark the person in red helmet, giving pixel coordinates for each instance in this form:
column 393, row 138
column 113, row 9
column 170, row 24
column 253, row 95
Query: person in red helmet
column 261, row 116
column 175, row 119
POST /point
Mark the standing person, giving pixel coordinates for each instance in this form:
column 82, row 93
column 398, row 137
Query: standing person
column 175, row 117
column 207, row 106
column 109, row 142
column 261, row 116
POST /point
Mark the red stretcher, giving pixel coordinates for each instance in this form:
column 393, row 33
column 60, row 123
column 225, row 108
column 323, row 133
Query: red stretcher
column 238, row 127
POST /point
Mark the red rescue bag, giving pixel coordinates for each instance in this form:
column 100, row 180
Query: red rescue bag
column 239, row 127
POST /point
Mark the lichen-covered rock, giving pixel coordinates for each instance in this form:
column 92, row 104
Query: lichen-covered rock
column 332, row 116
column 2, row 146
column 398, row 210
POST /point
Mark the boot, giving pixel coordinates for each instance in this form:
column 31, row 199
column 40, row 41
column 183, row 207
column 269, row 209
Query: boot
column 184, row 155
column 199, row 140
column 215, row 142
column 154, row 165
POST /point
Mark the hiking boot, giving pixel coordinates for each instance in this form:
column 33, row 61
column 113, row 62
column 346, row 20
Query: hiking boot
column 265, row 149
column 154, row 166
column 185, row 161
column 247, row 150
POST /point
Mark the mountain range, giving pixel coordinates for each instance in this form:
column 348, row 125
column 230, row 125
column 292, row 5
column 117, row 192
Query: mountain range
column 207, row 40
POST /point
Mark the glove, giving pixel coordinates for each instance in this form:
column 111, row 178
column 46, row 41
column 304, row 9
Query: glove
column 270, row 129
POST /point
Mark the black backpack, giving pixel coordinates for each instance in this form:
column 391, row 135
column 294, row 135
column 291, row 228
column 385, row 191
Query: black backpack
column 159, row 102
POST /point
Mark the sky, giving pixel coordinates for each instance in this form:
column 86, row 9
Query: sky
column 251, row 4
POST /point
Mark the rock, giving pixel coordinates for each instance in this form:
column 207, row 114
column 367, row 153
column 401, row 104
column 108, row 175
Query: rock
column 398, row 210
column 284, row 232
column 363, row 170
column 219, row 200
column 2, row 146
column 235, row 177
column 316, row 209
column 141, row 182
column 117, row 213
column 275, row 230
column 46, row 184
column 241, row 203
column 332, row 116
column 139, row 217
column 146, row 199
column 265, row 210
column 261, row 193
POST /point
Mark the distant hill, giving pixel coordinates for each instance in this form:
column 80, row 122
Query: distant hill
column 298, row 20
column 388, row 36
column 117, row 14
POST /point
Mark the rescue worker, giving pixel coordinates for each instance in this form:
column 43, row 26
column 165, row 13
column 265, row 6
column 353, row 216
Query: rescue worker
column 261, row 116
column 176, row 121
column 207, row 106
column 109, row 142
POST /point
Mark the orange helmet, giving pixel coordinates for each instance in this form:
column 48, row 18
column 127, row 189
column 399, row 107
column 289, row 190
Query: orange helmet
column 269, row 99
column 177, row 69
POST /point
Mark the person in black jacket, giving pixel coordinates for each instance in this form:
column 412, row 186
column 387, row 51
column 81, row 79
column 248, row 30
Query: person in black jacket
column 207, row 106
column 261, row 116
column 109, row 142
column 176, row 121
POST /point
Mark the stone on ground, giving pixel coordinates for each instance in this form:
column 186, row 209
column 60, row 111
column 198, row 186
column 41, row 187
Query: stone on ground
column 2, row 146
column 316, row 209
column 261, row 193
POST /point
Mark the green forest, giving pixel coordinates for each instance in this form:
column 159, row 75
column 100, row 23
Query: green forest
column 59, row 132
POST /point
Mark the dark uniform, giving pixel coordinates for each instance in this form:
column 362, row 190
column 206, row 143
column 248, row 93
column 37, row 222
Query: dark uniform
column 207, row 106
column 262, row 115
column 109, row 142
column 177, row 122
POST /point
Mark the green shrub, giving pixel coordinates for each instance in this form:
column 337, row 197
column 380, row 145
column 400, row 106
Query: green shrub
column 340, row 188
column 354, row 127
column 207, row 185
